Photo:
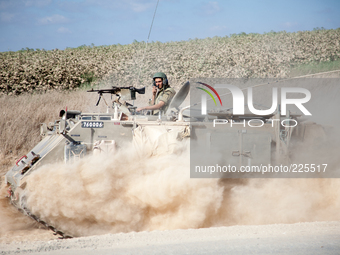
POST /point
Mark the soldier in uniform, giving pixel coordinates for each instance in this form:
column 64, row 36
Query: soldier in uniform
column 162, row 94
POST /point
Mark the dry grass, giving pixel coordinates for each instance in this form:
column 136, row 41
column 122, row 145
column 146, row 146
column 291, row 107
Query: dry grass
column 20, row 119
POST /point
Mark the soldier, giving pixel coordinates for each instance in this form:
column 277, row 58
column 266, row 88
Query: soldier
column 160, row 100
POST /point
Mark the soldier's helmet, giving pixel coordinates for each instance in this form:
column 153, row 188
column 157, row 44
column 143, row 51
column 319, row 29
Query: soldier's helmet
column 161, row 75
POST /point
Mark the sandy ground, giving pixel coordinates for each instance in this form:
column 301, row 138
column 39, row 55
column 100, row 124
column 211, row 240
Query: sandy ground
column 299, row 238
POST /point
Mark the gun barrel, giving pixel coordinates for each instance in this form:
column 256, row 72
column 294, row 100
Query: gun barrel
column 125, row 93
column 115, row 90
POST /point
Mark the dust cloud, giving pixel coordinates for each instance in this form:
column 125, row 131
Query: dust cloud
column 269, row 201
column 124, row 193
column 128, row 191
column 10, row 218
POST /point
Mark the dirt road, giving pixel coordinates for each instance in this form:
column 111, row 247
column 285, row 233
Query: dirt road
column 299, row 238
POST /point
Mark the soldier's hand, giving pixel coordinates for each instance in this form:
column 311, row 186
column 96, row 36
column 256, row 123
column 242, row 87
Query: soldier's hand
column 154, row 90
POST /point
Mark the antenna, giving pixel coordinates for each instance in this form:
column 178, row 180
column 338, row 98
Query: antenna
column 140, row 67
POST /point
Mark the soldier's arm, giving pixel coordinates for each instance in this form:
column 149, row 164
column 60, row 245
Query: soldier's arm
column 152, row 107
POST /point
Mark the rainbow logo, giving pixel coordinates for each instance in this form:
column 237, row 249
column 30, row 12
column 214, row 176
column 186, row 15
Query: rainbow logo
column 209, row 93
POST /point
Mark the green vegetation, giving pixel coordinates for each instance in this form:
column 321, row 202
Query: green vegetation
column 88, row 78
column 315, row 67
column 268, row 55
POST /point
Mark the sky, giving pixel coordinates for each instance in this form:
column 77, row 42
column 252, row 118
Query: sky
column 50, row 24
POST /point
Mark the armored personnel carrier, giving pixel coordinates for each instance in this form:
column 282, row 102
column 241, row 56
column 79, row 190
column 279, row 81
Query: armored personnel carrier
column 77, row 134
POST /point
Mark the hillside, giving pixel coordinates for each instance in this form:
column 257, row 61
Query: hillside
column 270, row 55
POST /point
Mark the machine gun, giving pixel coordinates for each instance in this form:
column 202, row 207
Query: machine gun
column 126, row 93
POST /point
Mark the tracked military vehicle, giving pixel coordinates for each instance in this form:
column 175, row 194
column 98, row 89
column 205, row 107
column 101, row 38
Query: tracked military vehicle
column 76, row 134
